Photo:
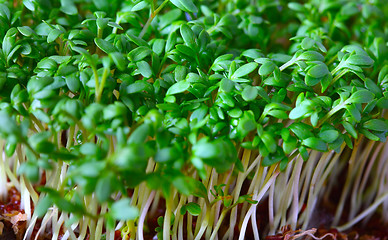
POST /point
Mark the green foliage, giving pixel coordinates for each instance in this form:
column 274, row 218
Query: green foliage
column 183, row 84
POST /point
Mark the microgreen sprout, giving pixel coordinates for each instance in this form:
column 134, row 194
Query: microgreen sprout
column 178, row 119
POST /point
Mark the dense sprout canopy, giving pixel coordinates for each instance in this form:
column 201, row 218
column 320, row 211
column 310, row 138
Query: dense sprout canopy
column 107, row 87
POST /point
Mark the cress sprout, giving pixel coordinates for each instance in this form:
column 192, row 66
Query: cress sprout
column 179, row 119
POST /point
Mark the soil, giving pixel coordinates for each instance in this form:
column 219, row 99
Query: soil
column 8, row 233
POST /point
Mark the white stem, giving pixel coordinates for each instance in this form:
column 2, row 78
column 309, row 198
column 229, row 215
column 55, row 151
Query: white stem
column 180, row 228
column 354, row 202
column 254, row 226
column 270, row 210
column 348, row 182
column 143, row 215
column 30, row 228
column 178, row 216
column 57, row 227
column 204, row 224
column 54, row 219
column 10, row 174
column 92, row 222
column 3, row 175
column 25, row 202
column 295, row 203
column 312, row 199
column 255, row 163
column 69, row 232
column 253, row 207
column 285, row 195
column 45, row 220
column 189, row 218
column 365, row 213
column 369, row 169
column 219, row 222
column 240, row 180
column 83, row 225
column 155, row 204
column 100, row 221
column 167, row 216
column 110, row 234
column 306, row 176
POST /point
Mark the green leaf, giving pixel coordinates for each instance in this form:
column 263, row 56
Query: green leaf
column 267, row 68
column 159, row 46
column 235, row 113
column 205, row 150
column 133, row 157
column 171, row 41
column 280, row 114
column 354, row 112
column 244, row 70
column 26, row 31
column 114, row 25
column 42, row 206
column 180, row 73
column 104, row 45
column 188, row 35
column 185, row 50
column 144, row 69
column 301, row 130
column 227, row 85
column 29, row 4
column 122, row 210
column 311, row 56
column 185, row 5
column 289, row 145
column 315, row 143
column 350, row 129
column 369, row 135
column 376, row 125
column 178, row 87
column 102, row 22
column 361, row 96
column 68, row 7
column 8, row 126
column 30, row 170
column 139, row 53
column 329, row 135
column 89, row 149
column 318, row 71
column 193, row 208
column 272, row 159
column 307, row 43
column 383, row 102
column 138, row 41
column 249, row 93
column 360, row 60
column 372, row 86
column 119, row 60
column 301, row 110
column 4, row 12
column 140, row 134
column 304, row 153
column 139, row 6
column 311, row 81
column 296, row 6
column 166, row 154
column 269, row 142
column 53, row 35
column 325, row 82
column 139, row 86
column 105, row 187
column 184, row 185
